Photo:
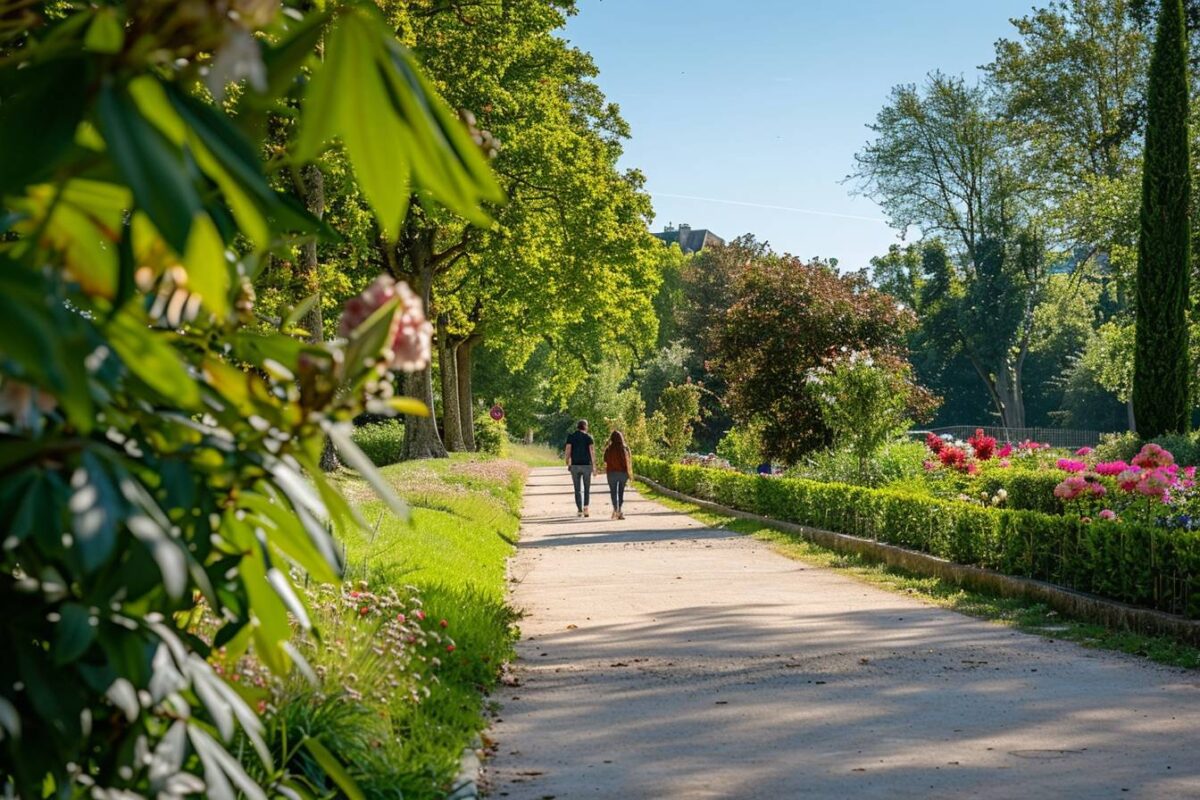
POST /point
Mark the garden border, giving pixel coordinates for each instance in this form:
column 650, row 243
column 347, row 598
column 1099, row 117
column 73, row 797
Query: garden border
column 1066, row 601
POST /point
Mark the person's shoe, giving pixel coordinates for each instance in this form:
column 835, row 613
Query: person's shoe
column 620, row 515
column 615, row 515
column 586, row 513
column 579, row 514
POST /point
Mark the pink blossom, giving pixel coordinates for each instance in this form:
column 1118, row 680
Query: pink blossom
column 1108, row 514
column 929, row 466
column 1152, row 456
column 1156, row 484
column 1070, row 465
column 1097, row 489
column 411, row 335
column 1004, row 462
column 1006, row 451
column 1071, row 487
column 1111, row 468
column 1128, row 479
column 1083, row 451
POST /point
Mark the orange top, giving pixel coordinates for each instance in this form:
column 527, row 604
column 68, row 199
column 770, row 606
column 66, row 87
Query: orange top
column 616, row 459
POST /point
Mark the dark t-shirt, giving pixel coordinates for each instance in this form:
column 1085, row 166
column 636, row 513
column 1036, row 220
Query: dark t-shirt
column 580, row 447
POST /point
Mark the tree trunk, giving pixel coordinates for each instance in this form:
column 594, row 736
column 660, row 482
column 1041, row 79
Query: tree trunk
column 311, row 186
column 421, row 439
column 1129, row 414
column 448, row 360
column 466, row 400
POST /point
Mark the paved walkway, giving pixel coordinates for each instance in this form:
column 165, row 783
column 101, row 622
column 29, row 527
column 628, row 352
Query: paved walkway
column 661, row 659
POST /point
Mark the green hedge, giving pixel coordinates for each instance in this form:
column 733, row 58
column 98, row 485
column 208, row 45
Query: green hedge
column 382, row 442
column 1028, row 489
column 1133, row 563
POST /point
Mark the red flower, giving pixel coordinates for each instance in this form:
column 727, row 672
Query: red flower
column 364, row 610
column 444, row 624
column 450, row 648
column 953, row 457
column 983, row 445
column 934, row 442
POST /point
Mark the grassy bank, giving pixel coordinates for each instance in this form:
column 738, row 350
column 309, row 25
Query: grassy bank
column 447, row 569
column 1020, row 614
column 534, row 455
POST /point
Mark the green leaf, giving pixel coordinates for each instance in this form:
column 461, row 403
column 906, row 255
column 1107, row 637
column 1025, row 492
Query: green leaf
column 333, row 768
column 207, row 267
column 96, row 508
column 34, row 131
column 150, row 165
column 378, row 144
column 286, row 531
column 285, row 60
column 106, row 34
column 73, row 633
column 409, row 406
column 299, row 310
column 368, row 339
column 146, row 353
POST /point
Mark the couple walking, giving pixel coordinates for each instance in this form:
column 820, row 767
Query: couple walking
column 581, row 461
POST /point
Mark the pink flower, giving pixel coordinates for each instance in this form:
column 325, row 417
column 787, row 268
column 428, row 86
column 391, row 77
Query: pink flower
column 1071, row 487
column 1070, row 465
column 929, row 466
column 1128, row 479
column 1108, row 514
column 1155, row 484
column 1004, row 462
column 1083, row 451
column 1152, row 456
column 450, row 648
column 419, row 614
column 1006, row 451
column 934, row 442
column 411, row 335
column 1097, row 489
column 1111, row 468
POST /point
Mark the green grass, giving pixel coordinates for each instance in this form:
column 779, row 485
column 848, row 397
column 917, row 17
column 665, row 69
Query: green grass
column 451, row 555
column 1018, row 613
column 534, row 455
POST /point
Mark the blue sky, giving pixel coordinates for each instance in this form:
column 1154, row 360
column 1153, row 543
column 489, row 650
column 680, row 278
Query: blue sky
column 765, row 101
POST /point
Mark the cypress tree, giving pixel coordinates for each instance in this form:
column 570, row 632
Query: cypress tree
column 1161, row 402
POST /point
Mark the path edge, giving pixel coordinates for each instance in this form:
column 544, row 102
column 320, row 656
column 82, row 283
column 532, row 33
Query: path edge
column 1110, row 613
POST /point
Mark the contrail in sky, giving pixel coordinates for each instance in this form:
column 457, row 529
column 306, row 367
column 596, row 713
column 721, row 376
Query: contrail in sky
column 765, row 205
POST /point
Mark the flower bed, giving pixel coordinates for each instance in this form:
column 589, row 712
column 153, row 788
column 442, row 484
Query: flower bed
column 1129, row 561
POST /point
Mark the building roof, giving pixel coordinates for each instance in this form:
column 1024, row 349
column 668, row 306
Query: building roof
column 689, row 240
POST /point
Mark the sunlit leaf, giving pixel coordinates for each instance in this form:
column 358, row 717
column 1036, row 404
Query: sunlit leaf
column 333, row 768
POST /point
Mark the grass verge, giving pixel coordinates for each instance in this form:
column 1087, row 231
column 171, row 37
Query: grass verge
column 448, row 567
column 1023, row 615
column 534, row 455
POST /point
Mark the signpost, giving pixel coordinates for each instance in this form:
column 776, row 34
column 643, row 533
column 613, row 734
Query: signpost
column 497, row 412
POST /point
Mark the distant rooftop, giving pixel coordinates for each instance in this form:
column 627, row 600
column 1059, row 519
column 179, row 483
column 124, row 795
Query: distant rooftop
column 689, row 240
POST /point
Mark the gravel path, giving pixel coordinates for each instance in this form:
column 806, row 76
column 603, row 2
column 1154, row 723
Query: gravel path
column 662, row 659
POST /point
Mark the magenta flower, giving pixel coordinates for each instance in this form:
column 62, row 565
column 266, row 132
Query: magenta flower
column 1111, row 468
column 1108, row 514
column 1156, row 484
column 1006, row 451
column 1070, row 465
column 1083, row 451
column 1128, row 479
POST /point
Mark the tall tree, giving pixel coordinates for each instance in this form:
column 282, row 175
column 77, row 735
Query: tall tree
column 1161, row 401
column 943, row 161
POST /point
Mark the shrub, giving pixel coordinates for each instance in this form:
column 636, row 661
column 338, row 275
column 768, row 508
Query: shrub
column 1129, row 562
column 490, row 436
column 742, row 446
column 383, row 442
column 895, row 461
column 1118, row 446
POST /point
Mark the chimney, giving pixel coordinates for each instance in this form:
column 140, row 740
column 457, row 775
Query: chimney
column 685, row 232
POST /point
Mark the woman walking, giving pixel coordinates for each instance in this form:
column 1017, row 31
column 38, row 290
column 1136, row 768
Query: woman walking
column 618, row 465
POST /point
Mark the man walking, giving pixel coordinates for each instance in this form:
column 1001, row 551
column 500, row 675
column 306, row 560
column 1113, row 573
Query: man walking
column 581, row 461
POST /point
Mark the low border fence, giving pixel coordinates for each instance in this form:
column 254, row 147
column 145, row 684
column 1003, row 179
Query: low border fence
column 1056, row 437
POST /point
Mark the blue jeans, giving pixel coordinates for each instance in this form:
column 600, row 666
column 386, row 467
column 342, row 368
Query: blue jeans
column 616, row 488
column 581, row 478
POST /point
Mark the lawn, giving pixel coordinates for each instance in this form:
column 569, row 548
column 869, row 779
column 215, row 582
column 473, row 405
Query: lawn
column 418, row 634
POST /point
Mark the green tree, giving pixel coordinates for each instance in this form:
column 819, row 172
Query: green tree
column 1161, row 398
column 787, row 318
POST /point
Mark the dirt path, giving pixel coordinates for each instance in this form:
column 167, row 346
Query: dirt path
column 661, row 659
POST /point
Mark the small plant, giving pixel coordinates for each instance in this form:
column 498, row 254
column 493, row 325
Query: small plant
column 491, row 436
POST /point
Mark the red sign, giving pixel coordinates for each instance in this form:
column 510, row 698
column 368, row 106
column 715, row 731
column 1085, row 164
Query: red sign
column 497, row 413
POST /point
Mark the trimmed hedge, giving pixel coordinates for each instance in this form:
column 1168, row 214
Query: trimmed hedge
column 382, row 442
column 1133, row 563
column 1028, row 489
